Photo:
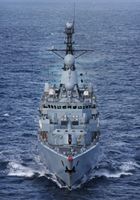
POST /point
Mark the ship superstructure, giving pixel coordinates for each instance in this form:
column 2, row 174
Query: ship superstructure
column 69, row 121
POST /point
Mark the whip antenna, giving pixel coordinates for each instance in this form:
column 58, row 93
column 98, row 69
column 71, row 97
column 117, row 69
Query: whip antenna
column 74, row 15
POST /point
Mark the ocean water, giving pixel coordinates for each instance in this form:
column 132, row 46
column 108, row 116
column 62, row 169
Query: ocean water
column 112, row 29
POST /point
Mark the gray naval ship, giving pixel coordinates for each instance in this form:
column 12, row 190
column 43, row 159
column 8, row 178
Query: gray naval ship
column 69, row 121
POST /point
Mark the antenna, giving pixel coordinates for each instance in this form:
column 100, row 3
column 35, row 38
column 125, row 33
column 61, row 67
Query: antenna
column 69, row 31
column 74, row 14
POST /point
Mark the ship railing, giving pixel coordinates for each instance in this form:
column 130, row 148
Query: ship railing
column 67, row 106
column 67, row 149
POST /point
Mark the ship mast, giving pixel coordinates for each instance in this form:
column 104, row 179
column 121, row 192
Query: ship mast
column 69, row 31
column 69, row 58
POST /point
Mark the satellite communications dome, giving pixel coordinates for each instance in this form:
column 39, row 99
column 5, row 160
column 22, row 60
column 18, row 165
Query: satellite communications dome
column 51, row 92
column 69, row 25
column 69, row 60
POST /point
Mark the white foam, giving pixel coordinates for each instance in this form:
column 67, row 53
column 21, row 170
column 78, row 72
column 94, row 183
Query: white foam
column 41, row 173
column 6, row 115
column 108, row 174
column 17, row 169
column 55, row 180
column 129, row 165
column 125, row 169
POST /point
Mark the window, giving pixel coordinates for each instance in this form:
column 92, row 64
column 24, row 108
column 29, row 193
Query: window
column 75, row 122
column 79, row 107
column 45, row 106
column 74, row 107
column 69, row 107
column 64, row 122
column 58, row 107
column 64, row 107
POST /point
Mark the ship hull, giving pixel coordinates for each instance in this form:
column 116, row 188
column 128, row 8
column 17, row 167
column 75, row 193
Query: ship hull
column 69, row 170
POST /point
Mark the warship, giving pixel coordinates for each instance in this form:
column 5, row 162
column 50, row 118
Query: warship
column 68, row 138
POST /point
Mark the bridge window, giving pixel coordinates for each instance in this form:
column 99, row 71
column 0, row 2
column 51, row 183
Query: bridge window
column 75, row 122
column 45, row 106
column 64, row 122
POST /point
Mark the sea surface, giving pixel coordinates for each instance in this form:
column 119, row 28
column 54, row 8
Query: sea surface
column 27, row 29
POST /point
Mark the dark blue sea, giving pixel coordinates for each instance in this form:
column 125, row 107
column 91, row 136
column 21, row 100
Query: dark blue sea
column 27, row 29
